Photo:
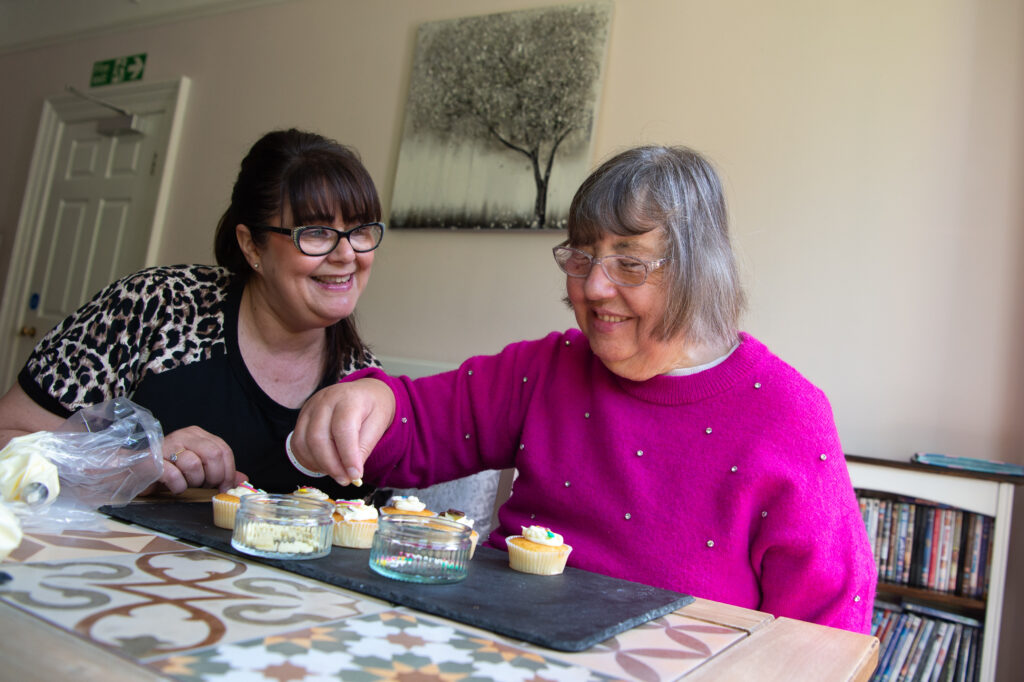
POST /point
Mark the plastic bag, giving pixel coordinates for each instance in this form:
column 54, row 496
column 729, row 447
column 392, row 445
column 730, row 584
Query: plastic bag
column 105, row 454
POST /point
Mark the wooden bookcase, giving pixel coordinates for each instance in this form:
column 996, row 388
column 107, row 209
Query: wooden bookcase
column 987, row 494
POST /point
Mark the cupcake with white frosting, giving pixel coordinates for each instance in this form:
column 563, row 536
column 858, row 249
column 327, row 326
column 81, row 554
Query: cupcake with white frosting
column 460, row 517
column 355, row 522
column 225, row 504
column 538, row 550
column 312, row 493
column 406, row 504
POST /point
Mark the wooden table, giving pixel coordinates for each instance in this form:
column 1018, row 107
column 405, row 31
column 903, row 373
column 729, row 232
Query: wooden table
column 120, row 602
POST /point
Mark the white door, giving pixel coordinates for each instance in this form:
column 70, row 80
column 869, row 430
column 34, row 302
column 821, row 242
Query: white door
column 93, row 210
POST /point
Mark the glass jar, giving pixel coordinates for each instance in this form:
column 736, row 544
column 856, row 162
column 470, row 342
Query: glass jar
column 283, row 527
column 420, row 549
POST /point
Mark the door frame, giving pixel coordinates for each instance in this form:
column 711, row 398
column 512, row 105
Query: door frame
column 56, row 110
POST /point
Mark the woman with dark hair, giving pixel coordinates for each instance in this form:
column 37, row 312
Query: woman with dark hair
column 665, row 445
column 225, row 356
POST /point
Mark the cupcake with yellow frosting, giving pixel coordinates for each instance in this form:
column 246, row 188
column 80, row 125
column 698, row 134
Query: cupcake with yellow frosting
column 355, row 522
column 406, row 504
column 460, row 517
column 225, row 504
column 538, row 550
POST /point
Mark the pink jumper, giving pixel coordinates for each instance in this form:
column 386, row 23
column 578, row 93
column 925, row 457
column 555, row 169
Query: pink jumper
column 729, row 484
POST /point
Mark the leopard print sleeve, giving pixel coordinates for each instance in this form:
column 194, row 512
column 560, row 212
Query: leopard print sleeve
column 146, row 322
column 359, row 360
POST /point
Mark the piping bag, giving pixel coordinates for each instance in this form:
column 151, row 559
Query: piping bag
column 105, row 454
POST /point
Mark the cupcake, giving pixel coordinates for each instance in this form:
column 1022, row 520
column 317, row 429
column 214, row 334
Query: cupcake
column 460, row 517
column 538, row 550
column 225, row 504
column 402, row 504
column 355, row 522
column 312, row 493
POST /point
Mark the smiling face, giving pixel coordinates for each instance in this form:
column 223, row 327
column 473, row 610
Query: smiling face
column 305, row 292
column 620, row 322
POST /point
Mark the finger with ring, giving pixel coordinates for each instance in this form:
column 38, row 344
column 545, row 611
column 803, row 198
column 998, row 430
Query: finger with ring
column 174, row 455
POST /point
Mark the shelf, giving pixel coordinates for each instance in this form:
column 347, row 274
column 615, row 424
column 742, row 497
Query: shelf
column 981, row 493
column 931, row 468
column 975, row 607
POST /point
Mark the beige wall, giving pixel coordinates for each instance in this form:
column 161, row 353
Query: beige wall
column 873, row 153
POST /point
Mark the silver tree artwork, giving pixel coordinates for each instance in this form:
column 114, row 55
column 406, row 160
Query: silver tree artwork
column 499, row 118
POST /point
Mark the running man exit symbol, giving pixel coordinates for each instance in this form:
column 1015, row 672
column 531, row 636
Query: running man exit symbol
column 119, row 70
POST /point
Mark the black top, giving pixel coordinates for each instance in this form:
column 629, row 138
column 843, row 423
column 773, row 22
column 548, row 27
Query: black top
column 167, row 338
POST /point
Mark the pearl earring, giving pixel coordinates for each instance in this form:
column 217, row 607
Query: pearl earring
column 255, row 266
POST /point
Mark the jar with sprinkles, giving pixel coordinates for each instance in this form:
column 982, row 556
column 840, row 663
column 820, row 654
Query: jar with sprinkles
column 420, row 549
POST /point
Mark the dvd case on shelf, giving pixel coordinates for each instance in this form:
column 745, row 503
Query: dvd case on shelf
column 924, row 644
column 926, row 545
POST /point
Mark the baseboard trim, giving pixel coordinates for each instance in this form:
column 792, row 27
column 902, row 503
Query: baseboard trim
column 413, row 367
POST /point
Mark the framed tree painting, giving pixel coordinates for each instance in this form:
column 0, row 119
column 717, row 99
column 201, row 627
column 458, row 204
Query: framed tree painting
column 499, row 120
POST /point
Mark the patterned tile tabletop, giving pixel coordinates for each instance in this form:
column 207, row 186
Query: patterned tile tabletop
column 195, row 614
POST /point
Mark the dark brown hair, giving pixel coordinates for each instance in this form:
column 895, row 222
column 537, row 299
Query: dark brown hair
column 316, row 178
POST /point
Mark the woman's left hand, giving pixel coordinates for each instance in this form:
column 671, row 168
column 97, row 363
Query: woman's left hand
column 195, row 458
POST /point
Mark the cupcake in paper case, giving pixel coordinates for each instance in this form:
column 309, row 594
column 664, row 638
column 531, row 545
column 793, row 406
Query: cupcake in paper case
column 406, row 504
column 355, row 522
column 225, row 504
column 312, row 493
column 460, row 517
column 538, row 550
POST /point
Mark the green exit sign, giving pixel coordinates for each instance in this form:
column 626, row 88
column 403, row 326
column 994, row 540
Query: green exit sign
column 119, row 70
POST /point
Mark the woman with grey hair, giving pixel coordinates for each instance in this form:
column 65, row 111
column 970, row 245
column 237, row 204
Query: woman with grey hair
column 667, row 447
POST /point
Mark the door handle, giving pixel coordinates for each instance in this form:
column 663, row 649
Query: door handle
column 27, row 331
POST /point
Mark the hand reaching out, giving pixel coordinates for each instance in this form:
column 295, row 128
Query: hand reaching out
column 339, row 426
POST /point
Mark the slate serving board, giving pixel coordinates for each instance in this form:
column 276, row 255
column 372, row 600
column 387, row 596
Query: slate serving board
column 568, row 612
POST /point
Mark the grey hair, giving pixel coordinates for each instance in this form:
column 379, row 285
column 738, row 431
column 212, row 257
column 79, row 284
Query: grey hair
column 677, row 191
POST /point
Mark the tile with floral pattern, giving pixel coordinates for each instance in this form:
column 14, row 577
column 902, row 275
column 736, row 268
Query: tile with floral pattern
column 660, row 650
column 156, row 604
column 106, row 537
column 392, row 645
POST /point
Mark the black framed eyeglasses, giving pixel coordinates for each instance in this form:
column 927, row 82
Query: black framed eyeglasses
column 320, row 240
column 626, row 271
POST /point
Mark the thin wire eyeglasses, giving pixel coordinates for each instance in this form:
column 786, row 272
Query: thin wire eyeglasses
column 626, row 271
column 320, row 240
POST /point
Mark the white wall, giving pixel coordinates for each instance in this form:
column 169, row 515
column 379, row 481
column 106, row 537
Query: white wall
column 873, row 154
